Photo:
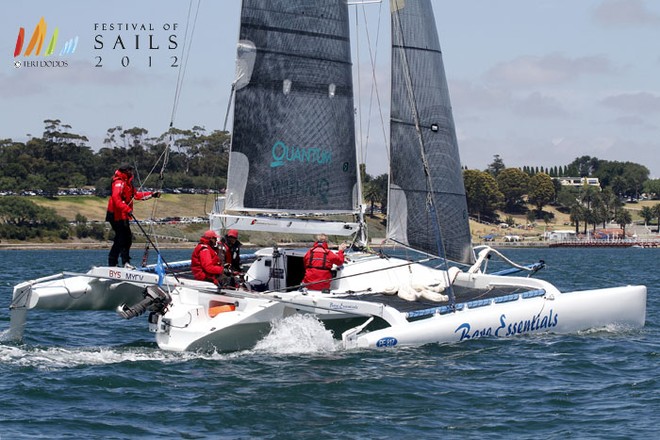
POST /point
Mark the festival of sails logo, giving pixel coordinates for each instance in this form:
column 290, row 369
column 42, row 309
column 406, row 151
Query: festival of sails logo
column 36, row 44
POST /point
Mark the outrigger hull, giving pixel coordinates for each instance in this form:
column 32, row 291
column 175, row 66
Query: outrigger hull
column 101, row 288
column 565, row 313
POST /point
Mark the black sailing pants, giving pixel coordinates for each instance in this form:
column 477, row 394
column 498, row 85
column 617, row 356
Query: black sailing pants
column 122, row 244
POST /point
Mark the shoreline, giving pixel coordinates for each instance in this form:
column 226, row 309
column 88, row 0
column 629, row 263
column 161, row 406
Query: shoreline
column 83, row 246
column 190, row 245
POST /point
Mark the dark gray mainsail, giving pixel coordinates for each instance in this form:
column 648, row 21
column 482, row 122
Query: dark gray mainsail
column 427, row 209
column 293, row 145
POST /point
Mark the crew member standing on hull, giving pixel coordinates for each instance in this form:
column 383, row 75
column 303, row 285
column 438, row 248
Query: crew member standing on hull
column 120, row 210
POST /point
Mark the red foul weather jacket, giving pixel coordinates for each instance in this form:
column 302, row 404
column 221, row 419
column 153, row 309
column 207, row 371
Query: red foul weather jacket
column 318, row 263
column 123, row 193
column 205, row 263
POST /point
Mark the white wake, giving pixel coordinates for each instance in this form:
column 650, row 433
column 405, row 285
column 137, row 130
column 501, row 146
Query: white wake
column 298, row 334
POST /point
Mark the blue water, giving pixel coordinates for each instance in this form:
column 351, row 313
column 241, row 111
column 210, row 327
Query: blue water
column 94, row 375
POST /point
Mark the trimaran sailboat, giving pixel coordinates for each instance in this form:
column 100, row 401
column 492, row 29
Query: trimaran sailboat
column 293, row 152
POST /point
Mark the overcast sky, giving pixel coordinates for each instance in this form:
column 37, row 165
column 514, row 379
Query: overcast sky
column 537, row 82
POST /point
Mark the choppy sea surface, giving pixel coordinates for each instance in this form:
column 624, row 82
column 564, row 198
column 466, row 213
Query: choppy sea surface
column 95, row 375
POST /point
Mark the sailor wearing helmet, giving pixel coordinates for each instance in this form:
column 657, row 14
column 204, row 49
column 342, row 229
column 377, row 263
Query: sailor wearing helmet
column 232, row 250
column 206, row 262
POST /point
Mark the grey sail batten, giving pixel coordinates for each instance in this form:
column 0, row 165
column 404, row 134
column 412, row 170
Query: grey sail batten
column 426, row 195
column 293, row 145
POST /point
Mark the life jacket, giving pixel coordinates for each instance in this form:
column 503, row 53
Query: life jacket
column 232, row 253
column 318, row 266
column 317, row 257
column 122, row 194
column 223, row 252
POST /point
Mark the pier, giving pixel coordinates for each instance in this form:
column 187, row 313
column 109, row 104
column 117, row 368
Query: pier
column 607, row 243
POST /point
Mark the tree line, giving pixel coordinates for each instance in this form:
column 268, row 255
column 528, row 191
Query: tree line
column 511, row 189
column 60, row 158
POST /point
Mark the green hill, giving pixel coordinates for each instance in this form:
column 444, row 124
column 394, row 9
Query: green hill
column 94, row 208
column 171, row 206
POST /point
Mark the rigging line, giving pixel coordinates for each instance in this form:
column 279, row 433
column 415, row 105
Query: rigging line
column 164, row 156
column 374, row 85
column 137, row 222
column 154, row 208
column 224, row 128
column 141, row 183
column 213, row 175
column 150, row 171
column 231, row 96
column 139, row 189
column 185, row 51
column 413, row 102
column 359, row 142
column 406, row 264
column 411, row 97
column 445, row 260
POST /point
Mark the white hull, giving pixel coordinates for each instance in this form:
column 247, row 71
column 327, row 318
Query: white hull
column 193, row 322
column 564, row 313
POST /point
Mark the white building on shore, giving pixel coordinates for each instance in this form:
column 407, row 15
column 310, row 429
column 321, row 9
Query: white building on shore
column 579, row 181
column 562, row 235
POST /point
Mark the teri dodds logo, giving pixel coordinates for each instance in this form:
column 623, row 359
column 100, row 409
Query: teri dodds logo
column 36, row 44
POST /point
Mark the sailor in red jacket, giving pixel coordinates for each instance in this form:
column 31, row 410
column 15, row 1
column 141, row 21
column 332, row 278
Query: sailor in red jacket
column 318, row 264
column 120, row 209
column 207, row 261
